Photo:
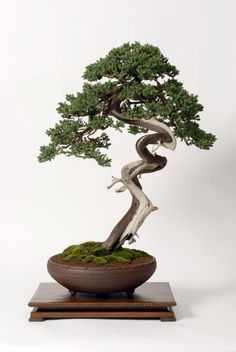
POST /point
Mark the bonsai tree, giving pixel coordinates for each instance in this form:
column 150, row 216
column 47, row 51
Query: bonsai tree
column 133, row 88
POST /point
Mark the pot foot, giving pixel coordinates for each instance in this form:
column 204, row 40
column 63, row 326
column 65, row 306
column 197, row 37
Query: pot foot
column 130, row 292
column 72, row 293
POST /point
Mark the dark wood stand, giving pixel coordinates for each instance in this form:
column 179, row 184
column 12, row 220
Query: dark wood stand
column 151, row 300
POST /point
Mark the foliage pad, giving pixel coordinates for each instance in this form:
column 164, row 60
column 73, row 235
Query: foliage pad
column 139, row 74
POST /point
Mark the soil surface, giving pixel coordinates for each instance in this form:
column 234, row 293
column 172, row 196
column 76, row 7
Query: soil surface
column 76, row 262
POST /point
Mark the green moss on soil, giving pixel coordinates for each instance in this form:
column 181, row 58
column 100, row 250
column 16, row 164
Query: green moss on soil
column 93, row 252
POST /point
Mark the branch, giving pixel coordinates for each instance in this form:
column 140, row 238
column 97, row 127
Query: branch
column 166, row 135
column 114, row 181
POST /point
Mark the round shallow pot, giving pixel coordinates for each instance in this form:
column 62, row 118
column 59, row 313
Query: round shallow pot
column 102, row 279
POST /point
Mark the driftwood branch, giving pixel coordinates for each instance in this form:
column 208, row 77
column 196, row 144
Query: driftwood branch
column 141, row 206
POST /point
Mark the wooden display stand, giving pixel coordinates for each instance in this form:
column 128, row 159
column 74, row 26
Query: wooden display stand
column 150, row 300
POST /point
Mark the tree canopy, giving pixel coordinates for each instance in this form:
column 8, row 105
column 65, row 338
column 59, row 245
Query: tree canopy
column 145, row 83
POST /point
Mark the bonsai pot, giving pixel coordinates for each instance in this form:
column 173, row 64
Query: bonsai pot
column 102, row 279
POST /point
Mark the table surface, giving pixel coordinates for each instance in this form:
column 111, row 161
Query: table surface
column 148, row 295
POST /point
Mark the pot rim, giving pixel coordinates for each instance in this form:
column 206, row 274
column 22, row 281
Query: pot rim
column 100, row 267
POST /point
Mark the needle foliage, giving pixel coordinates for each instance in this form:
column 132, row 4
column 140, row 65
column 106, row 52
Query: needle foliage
column 142, row 77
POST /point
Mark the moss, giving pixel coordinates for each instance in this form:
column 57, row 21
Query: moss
column 93, row 252
column 88, row 258
column 100, row 260
column 122, row 260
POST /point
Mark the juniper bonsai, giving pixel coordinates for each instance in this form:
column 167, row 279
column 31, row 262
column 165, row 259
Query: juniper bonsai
column 133, row 88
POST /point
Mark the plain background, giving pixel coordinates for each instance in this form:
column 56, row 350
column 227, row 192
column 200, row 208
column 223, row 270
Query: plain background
column 45, row 46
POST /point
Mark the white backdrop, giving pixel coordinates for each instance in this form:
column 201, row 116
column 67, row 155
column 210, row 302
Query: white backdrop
column 45, row 46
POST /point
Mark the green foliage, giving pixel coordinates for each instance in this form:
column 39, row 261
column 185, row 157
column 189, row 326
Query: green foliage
column 87, row 103
column 65, row 139
column 192, row 134
column 139, row 91
column 47, row 153
column 136, row 129
column 93, row 252
column 139, row 74
column 143, row 62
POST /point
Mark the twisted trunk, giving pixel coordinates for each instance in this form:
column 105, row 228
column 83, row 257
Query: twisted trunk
column 141, row 206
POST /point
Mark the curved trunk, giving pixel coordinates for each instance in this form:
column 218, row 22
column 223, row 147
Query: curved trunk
column 141, row 206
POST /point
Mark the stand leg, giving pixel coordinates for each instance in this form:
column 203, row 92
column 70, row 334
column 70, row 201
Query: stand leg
column 35, row 315
column 170, row 317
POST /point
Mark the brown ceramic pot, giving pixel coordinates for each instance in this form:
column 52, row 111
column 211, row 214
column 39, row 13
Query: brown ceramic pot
column 102, row 279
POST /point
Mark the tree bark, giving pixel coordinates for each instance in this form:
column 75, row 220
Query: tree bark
column 141, row 206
